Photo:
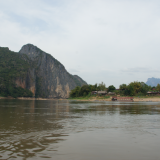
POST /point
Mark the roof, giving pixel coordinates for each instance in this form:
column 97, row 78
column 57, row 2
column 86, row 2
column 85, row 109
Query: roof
column 111, row 92
column 101, row 92
column 152, row 92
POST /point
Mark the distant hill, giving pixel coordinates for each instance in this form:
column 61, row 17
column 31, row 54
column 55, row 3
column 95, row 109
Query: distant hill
column 33, row 72
column 153, row 81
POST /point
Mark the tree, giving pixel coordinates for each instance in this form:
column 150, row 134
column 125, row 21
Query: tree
column 130, row 89
column 158, row 87
column 136, row 85
column 75, row 92
column 84, row 89
column 144, row 88
column 102, row 87
column 94, row 87
column 123, row 87
column 111, row 88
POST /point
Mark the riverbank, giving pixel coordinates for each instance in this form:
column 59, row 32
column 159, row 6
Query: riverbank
column 135, row 99
column 148, row 99
column 92, row 99
column 29, row 98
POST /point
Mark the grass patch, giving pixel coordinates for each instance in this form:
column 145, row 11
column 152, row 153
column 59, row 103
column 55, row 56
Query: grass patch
column 90, row 97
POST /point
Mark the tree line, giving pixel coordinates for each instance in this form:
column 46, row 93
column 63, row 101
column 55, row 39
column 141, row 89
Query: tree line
column 132, row 89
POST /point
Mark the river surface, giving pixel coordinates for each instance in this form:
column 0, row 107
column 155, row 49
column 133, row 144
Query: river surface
column 72, row 130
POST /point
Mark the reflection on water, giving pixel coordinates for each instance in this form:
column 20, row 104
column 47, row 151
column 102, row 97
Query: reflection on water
column 79, row 130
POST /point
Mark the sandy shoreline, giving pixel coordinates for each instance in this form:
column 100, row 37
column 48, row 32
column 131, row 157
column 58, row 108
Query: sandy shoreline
column 154, row 99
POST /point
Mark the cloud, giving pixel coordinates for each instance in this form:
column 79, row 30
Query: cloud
column 103, row 37
column 140, row 70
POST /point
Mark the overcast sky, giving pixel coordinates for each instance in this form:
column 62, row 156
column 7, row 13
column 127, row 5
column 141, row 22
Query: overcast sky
column 114, row 41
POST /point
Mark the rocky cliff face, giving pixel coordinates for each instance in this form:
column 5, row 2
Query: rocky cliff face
column 46, row 76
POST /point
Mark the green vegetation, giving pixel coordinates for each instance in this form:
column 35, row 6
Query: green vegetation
column 134, row 89
column 100, row 87
column 90, row 97
column 12, row 65
column 137, row 89
column 111, row 88
column 158, row 87
column 86, row 90
column 15, row 92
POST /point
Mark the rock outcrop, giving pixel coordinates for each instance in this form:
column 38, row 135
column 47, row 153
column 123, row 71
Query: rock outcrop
column 45, row 76
column 153, row 81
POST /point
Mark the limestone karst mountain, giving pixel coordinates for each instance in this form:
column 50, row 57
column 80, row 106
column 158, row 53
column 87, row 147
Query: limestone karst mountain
column 37, row 71
column 153, row 81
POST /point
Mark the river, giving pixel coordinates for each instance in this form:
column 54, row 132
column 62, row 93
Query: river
column 74, row 130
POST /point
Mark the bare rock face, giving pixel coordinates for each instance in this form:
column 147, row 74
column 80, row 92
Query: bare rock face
column 153, row 81
column 46, row 77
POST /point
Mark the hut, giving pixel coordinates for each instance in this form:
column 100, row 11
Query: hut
column 153, row 93
column 111, row 93
column 94, row 92
column 101, row 92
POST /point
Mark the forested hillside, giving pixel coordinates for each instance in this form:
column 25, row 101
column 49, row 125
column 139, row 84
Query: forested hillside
column 12, row 65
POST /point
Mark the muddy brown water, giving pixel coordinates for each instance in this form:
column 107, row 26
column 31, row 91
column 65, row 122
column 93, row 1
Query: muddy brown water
column 72, row 130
